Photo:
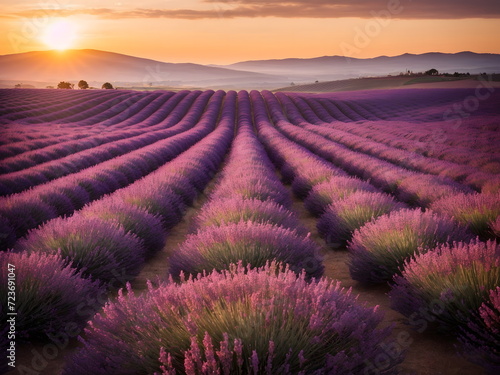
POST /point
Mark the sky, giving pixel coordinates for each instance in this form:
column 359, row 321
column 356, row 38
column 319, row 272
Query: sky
column 228, row 31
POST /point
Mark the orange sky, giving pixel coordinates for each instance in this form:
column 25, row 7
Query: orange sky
column 218, row 32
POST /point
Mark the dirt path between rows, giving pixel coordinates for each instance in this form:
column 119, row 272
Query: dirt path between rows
column 428, row 353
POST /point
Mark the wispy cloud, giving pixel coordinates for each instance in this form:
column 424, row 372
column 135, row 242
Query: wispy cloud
column 413, row 9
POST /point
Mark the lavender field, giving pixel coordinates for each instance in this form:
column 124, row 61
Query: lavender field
column 203, row 232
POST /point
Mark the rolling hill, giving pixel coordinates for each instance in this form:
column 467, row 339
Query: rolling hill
column 339, row 67
column 42, row 68
column 100, row 66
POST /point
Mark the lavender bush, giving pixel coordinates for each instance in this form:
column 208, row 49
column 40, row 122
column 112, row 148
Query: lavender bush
column 308, row 178
column 448, row 284
column 475, row 210
column 261, row 190
column 100, row 249
column 239, row 321
column 324, row 194
column 379, row 249
column 24, row 214
column 422, row 190
column 49, row 294
column 481, row 338
column 253, row 244
column 221, row 211
column 163, row 203
column 133, row 219
column 343, row 217
column 7, row 234
column 495, row 226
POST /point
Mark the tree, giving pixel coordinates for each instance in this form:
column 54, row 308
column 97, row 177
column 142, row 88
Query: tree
column 107, row 86
column 65, row 85
column 83, row 85
column 432, row 72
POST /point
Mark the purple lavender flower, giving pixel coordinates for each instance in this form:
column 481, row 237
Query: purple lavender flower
column 475, row 210
column 336, row 188
column 447, row 284
column 344, row 216
column 481, row 338
column 102, row 250
column 252, row 243
column 308, row 178
column 163, row 203
column 422, row 189
column 7, row 234
column 221, row 211
column 239, row 321
column 379, row 249
column 27, row 213
column 495, row 227
column 133, row 219
column 261, row 190
column 49, row 294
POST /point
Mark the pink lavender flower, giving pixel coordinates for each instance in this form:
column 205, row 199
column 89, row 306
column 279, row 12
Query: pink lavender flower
column 49, row 294
column 344, row 216
column 379, row 249
column 422, row 189
column 481, row 338
column 260, row 189
column 7, row 234
column 245, row 321
column 336, row 188
column 102, row 250
column 447, row 284
column 311, row 176
column 163, row 203
column 475, row 210
column 251, row 243
column 222, row 211
column 24, row 214
column 133, row 219
column 495, row 226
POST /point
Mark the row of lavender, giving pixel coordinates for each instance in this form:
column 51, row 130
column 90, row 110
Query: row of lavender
column 33, row 152
column 62, row 196
column 311, row 111
column 448, row 127
column 65, row 267
column 41, row 165
column 243, row 317
column 389, row 241
column 417, row 189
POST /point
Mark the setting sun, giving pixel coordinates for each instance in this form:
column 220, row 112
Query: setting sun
column 60, row 35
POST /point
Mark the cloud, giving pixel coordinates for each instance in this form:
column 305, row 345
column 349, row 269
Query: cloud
column 406, row 9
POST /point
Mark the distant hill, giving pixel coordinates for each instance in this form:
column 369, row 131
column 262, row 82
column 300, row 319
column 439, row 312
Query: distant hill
column 100, row 66
column 339, row 67
column 378, row 83
column 96, row 67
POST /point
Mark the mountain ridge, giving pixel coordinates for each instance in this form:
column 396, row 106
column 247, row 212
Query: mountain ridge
column 121, row 69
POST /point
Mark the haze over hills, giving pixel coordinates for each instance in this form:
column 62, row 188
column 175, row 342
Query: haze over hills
column 339, row 67
column 101, row 66
column 96, row 67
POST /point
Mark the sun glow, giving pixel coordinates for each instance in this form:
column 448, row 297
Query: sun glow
column 60, row 35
